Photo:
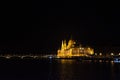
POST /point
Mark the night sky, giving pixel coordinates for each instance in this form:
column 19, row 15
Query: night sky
column 89, row 22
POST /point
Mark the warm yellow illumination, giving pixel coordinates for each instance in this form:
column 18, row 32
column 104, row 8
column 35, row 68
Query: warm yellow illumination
column 64, row 61
column 69, row 49
column 100, row 54
column 112, row 54
column 119, row 54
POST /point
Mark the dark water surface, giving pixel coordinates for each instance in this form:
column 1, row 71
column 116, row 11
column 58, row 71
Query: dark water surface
column 46, row 69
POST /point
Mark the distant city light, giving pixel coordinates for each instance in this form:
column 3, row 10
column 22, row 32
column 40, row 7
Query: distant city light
column 50, row 57
column 7, row 57
column 111, row 54
column 100, row 54
column 96, row 54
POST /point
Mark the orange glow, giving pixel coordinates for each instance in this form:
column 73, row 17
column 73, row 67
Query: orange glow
column 68, row 50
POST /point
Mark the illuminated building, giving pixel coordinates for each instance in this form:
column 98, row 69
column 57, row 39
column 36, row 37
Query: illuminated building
column 70, row 49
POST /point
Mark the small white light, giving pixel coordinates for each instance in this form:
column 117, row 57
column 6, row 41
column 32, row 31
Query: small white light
column 119, row 54
column 112, row 54
column 100, row 54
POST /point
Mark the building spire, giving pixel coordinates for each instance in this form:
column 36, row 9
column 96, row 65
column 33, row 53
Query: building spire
column 63, row 46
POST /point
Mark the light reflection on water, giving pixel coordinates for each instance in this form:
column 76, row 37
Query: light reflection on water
column 60, row 69
column 75, row 70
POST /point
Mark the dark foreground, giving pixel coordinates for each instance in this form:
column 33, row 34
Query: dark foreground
column 61, row 69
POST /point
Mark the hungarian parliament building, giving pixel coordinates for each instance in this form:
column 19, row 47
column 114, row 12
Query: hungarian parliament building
column 70, row 49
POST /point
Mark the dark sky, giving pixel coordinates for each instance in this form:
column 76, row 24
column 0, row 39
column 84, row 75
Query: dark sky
column 89, row 22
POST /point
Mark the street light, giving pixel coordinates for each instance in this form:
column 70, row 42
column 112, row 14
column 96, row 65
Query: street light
column 96, row 54
column 112, row 54
column 119, row 54
column 100, row 54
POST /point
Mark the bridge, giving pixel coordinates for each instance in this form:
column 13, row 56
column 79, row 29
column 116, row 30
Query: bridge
column 26, row 56
column 56, row 57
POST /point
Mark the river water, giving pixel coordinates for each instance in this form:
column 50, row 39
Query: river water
column 64, row 69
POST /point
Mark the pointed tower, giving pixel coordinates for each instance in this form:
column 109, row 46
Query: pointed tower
column 71, row 42
column 63, row 46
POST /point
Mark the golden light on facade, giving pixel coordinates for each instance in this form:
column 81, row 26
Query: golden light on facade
column 69, row 49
